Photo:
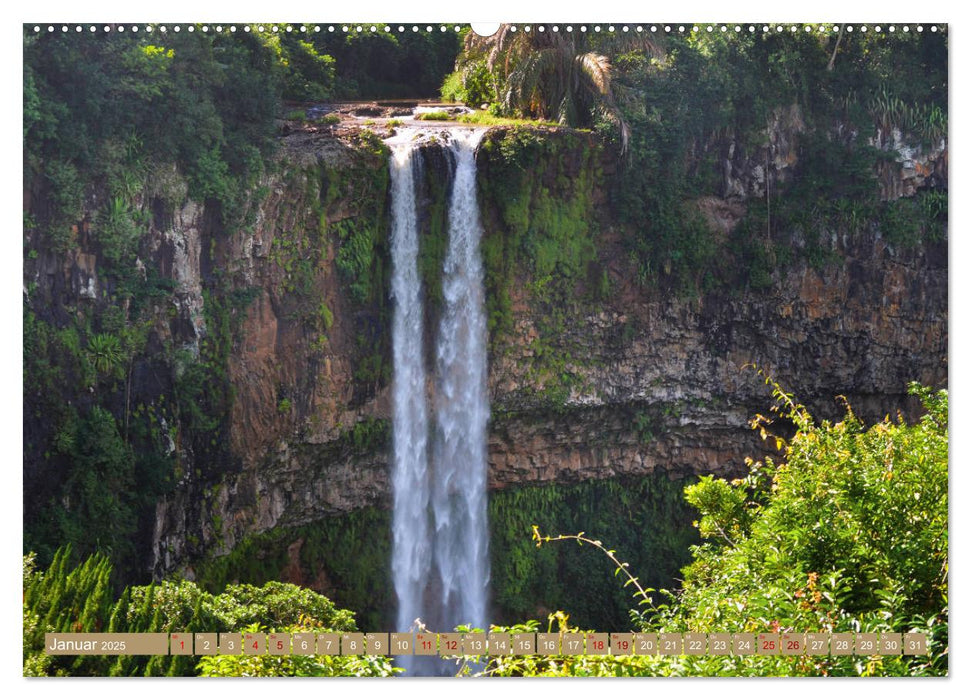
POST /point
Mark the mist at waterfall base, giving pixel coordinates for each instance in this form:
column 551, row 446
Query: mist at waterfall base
column 440, row 562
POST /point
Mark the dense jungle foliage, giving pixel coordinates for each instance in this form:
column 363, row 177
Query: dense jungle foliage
column 679, row 106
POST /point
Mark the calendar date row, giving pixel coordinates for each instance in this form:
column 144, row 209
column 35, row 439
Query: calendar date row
column 491, row 644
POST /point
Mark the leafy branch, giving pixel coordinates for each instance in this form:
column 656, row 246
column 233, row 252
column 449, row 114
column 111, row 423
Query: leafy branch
column 624, row 567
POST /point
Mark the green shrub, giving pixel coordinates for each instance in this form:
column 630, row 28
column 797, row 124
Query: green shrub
column 848, row 532
column 80, row 599
column 105, row 352
column 210, row 179
column 357, row 257
column 473, row 84
column 309, row 74
column 452, row 89
column 66, row 194
column 437, row 116
column 117, row 235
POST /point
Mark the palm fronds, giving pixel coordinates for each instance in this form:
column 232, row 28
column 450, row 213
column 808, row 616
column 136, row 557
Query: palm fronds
column 556, row 75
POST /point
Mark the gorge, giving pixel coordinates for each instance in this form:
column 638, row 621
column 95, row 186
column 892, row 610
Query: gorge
column 635, row 385
column 245, row 379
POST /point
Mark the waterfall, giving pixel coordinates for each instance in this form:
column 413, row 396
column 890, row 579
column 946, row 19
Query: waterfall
column 458, row 493
column 411, row 551
column 440, row 560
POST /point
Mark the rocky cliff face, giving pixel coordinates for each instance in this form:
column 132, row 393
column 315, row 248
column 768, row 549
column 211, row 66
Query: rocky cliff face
column 682, row 369
column 630, row 382
column 659, row 383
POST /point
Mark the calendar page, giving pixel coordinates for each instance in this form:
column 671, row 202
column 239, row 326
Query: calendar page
column 396, row 349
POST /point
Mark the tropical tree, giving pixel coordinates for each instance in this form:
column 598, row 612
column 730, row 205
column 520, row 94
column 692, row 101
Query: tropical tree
column 556, row 75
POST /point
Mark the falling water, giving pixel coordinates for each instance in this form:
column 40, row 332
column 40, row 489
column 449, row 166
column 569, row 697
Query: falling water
column 412, row 551
column 458, row 494
column 440, row 560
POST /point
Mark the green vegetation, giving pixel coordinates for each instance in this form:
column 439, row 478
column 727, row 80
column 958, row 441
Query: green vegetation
column 847, row 533
column 309, row 74
column 753, row 81
column 537, row 193
column 556, row 76
column 122, row 108
column 472, row 84
column 537, row 198
column 909, row 221
column 362, row 253
column 487, row 118
column 360, row 188
column 370, row 434
column 62, row 599
column 375, row 65
column 686, row 109
column 105, row 351
column 526, row 581
column 351, row 552
column 119, row 135
column 101, row 465
column 437, row 116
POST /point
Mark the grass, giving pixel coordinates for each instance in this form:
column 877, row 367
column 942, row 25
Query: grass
column 440, row 116
column 483, row 118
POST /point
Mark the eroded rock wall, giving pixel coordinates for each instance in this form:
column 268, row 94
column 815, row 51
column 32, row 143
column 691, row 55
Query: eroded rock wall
column 658, row 381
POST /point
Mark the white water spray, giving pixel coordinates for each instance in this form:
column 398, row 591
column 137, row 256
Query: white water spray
column 461, row 406
column 440, row 560
column 411, row 552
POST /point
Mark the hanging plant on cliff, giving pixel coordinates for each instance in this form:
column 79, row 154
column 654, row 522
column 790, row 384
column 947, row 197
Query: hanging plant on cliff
column 559, row 76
